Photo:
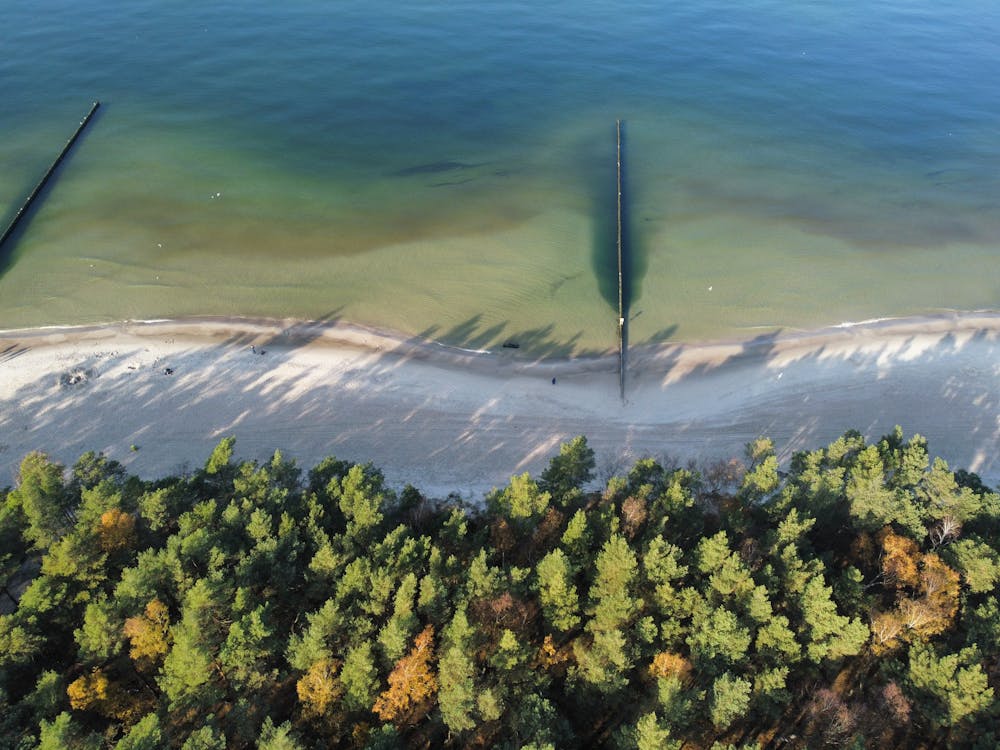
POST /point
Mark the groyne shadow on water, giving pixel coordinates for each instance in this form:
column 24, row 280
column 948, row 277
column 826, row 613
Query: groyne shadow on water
column 9, row 248
column 601, row 180
column 612, row 213
column 29, row 205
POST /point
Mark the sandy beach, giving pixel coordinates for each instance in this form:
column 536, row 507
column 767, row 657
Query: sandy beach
column 448, row 420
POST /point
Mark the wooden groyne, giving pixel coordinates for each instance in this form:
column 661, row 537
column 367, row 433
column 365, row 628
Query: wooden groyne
column 26, row 206
column 621, row 270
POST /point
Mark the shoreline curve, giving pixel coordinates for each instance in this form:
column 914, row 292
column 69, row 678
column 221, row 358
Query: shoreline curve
column 296, row 332
column 449, row 420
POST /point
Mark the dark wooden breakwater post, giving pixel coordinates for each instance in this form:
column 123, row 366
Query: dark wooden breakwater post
column 621, row 272
column 26, row 206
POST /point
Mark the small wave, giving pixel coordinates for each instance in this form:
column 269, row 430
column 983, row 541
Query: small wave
column 868, row 322
column 461, row 349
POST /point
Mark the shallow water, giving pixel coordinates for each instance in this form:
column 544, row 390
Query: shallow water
column 447, row 169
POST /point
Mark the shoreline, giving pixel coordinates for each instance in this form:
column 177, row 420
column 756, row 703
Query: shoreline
column 450, row 420
column 289, row 332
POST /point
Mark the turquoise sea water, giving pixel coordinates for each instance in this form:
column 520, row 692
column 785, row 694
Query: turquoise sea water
column 447, row 168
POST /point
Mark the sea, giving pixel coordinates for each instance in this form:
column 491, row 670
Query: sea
column 448, row 170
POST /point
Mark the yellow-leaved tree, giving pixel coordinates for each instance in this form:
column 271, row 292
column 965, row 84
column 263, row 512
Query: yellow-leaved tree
column 319, row 689
column 116, row 530
column 149, row 634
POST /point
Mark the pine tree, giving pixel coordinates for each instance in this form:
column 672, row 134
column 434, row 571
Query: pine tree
column 649, row 735
column 62, row 733
column 398, row 631
column 951, row 687
column 457, row 693
column 144, row 735
column 611, row 597
column 359, row 678
column 830, row 635
column 557, row 592
column 43, row 499
column 277, row 737
column 100, row 637
column 568, row 472
column 730, row 699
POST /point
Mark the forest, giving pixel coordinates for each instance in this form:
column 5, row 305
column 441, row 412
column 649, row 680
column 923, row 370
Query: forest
column 847, row 598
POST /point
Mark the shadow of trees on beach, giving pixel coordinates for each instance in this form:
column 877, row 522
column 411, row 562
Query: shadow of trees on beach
column 805, row 396
column 408, row 411
column 530, row 345
column 179, row 406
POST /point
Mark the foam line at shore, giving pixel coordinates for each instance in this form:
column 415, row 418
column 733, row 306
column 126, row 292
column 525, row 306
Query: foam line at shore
column 292, row 332
column 354, row 334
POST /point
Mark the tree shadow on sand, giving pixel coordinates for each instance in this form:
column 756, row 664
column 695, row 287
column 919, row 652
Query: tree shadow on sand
column 525, row 345
column 439, row 430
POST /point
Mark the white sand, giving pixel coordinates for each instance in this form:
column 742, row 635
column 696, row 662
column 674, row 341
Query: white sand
column 449, row 421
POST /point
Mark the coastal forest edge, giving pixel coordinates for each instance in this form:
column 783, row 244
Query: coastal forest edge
column 846, row 600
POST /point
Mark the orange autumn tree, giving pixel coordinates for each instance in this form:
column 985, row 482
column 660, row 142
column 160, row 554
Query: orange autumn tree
column 926, row 593
column 939, row 586
column 412, row 684
column 668, row 664
column 900, row 559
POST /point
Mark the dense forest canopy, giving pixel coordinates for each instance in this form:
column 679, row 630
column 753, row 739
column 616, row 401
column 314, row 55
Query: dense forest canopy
column 848, row 602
